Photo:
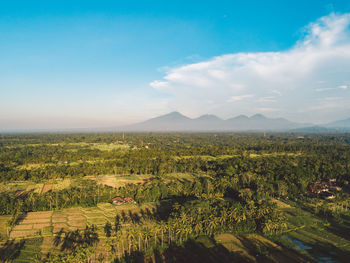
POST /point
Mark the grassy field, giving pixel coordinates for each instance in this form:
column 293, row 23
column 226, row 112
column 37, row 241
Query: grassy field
column 251, row 155
column 120, row 180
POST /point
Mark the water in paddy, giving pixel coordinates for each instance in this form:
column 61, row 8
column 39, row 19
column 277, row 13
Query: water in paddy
column 322, row 258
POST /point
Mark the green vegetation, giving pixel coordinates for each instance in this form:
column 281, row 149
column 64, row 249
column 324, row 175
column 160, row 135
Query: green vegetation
column 198, row 197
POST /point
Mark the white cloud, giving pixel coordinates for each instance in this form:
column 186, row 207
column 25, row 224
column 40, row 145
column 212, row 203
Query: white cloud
column 268, row 109
column 238, row 98
column 291, row 79
column 324, row 106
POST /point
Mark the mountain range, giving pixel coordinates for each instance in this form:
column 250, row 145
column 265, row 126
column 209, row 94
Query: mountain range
column 175, row 121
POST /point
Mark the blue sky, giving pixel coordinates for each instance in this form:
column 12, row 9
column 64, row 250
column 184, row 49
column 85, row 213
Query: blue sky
column 104, row 63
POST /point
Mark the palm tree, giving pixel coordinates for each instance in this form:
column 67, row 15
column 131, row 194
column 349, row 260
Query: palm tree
column 109, row 247
column 212, row 224
column 233, row 215
column 198, row 228
column 118, row 239
column 130, row 236
column 8, row 227
column 183, row 218
column 169, row 228
column 179, row 232
column 162, row 228
column 147, row 236
column 140, row 236
column 222, row 219
column 123, row 249
column 155, row 231
column 188, row 231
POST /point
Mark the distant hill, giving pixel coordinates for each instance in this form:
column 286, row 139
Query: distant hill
column 339, row 124
column 321, row 129
column 175, row 121
column 169, row 122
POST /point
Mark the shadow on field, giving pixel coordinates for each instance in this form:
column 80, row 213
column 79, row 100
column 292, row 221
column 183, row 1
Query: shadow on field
column 134, row 217
column 326, row 252
column 193, row 251
column 266, row 252
column 134, row 257
column 341, row 228
column 11, row 250
column 165, row 207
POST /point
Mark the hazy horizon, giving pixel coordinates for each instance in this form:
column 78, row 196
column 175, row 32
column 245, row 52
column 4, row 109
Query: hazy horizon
column 87, row 65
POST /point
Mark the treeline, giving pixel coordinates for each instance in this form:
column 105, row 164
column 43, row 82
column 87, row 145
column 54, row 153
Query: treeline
column 286, row 167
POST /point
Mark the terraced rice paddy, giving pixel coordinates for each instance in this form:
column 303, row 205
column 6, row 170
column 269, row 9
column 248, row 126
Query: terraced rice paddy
column 42, row 226
column 51, row 222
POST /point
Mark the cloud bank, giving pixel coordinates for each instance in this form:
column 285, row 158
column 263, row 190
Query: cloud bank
column 308, row 82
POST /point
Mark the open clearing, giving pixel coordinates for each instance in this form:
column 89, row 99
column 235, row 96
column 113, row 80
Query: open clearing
column 119, row 180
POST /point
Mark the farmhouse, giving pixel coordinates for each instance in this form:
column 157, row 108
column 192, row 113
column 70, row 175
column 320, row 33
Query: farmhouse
column 324, row 189
column 122, row 200
column 327, row 195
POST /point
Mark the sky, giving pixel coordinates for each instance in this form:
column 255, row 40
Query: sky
column 77, row 64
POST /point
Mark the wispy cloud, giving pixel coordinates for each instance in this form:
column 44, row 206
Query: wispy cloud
column 342, row 87
column 240, row 97
column 290, row 79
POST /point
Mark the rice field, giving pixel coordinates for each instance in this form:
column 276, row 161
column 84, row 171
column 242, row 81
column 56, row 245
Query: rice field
column 39, row 188
column 39, row 228
column 50, row 222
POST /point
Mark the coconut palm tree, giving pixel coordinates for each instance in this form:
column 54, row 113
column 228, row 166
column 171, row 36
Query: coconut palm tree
column 130, row 236
column 188, row 230
column 183, row 218
column 162, row 228
column 140, row 237
column 170, row 229
column 108, row 247
column 198, row 228
column 117, row 241
column 212, row 224
column 155, row 231
column 178, row 232
column 147, row 236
